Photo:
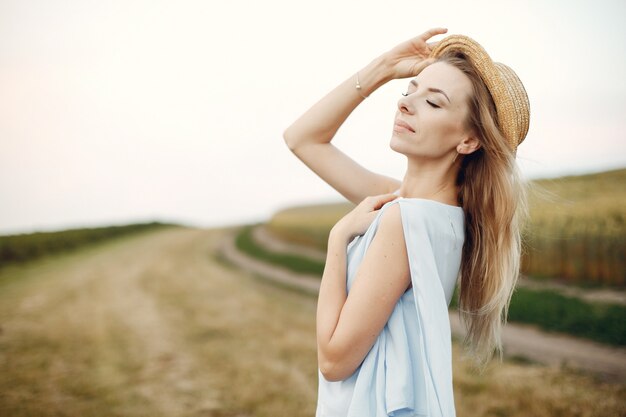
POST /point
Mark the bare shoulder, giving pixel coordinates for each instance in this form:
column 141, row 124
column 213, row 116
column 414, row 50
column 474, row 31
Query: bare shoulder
column 387, row 254
column 384, row 273
column 389, row 238
column 390, row 224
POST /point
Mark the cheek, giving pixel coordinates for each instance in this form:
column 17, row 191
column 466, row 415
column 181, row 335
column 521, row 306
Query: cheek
column 450, row 127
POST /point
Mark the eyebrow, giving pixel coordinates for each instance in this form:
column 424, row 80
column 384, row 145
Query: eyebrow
column 434, row 90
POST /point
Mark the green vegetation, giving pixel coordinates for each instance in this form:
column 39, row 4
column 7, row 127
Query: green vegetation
column 605, row 323
column 25, row 247
column 602, row 322
column 246, row 244
column 577, row 230
column 552, row 311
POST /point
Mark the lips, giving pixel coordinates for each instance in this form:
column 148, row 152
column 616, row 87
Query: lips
column 405, row 125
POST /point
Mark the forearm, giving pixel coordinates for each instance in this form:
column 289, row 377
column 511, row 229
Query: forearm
column 320, row 123
column 332, row 295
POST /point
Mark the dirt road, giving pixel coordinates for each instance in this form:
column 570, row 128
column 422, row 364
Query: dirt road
column 265, row 238
column 154, row 324
column 527, row 341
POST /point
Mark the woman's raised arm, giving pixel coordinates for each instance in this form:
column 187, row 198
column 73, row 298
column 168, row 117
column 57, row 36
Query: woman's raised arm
column 310, row 135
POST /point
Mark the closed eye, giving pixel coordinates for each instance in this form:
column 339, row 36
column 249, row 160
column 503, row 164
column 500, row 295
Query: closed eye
column 432, row 104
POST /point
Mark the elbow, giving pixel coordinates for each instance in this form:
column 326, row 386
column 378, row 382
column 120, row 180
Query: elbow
column 289, row 139
column 329, row 371
column 336, row 362
column 334, row 371
column 294, row 137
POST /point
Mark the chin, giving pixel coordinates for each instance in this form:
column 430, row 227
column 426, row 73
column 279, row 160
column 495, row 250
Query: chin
column 397, row 144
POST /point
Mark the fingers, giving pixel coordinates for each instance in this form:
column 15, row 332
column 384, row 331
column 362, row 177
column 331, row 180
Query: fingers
column 377, row 201
column 424, row 63
column 432, row 32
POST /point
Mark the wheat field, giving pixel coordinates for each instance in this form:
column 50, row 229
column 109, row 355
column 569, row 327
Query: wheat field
column 576, row 232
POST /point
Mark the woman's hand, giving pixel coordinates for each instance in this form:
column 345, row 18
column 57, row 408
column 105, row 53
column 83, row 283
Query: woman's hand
column 361, row 217
column 410, row 57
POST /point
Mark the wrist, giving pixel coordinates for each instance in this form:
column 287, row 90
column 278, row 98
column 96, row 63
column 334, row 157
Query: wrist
column 338, row 235
column 375, row 74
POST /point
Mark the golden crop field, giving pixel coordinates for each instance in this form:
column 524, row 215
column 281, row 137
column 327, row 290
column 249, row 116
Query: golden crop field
column 577, row 230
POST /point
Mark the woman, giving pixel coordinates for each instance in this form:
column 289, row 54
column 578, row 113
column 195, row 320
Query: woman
column 383, row 331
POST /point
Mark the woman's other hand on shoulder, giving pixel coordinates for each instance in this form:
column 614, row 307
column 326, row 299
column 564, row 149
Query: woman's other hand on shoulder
column 357, row 221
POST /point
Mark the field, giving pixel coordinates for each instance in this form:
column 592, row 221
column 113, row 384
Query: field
column 24, row 247
column 604, row 322
column 577, row 231
column 130, row 323
column 154, row 324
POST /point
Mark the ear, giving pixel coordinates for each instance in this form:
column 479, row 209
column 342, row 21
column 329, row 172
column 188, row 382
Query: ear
column 469, row 144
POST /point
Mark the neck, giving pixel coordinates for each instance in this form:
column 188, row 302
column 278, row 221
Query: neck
column 432, row 181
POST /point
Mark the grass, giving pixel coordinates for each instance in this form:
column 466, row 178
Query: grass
column 601, row 322
column 551, row 311
column 152, row 325
column 19, row 248
column 301, row 264
column 605, row 323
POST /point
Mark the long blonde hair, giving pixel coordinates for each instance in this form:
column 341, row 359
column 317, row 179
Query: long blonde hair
column 494, row 199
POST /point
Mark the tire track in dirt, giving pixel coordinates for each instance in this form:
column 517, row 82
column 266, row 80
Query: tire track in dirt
column 84, row 304
column 157, row 324
column 264, row 237
column 153, row 324
column 521, row 340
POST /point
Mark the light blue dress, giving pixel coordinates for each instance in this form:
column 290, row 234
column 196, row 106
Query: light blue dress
column 408, row 370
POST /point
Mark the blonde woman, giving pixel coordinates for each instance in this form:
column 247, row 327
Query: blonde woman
column 383, row 332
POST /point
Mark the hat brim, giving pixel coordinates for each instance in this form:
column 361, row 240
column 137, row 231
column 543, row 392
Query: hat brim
column 506, row 89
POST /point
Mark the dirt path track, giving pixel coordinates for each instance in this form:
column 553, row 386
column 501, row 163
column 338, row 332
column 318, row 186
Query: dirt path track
column 264, row 237
column 155, row 324
column 519, row 340
column 152, row 325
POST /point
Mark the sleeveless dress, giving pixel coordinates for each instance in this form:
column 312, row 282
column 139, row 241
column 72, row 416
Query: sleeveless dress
column 408, row 370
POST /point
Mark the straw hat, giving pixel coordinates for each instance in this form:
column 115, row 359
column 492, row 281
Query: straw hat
column 505, row 87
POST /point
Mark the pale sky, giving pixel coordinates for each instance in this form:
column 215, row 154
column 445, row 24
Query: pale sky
column 131, row 111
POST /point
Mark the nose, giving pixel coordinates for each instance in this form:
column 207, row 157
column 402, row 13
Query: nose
column 405, row 106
